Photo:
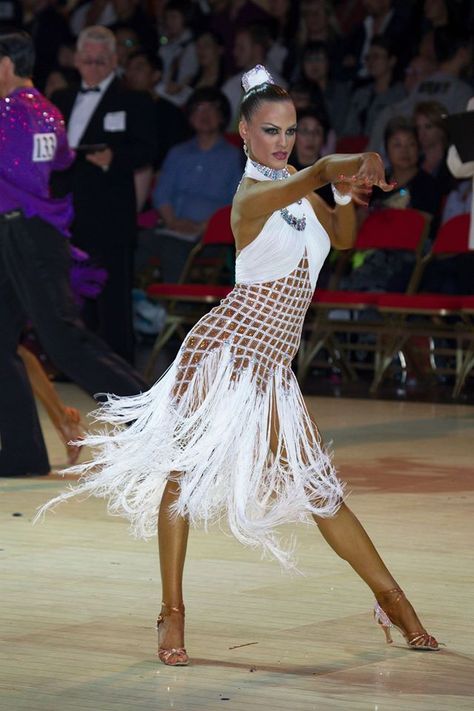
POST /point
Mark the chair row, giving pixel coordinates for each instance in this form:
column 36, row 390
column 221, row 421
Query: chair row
column 342, row 322
column 391, row 320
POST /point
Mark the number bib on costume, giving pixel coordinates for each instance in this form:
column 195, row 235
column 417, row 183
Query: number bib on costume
column 44, row 147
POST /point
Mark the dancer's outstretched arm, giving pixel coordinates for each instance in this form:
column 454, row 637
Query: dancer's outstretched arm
column 259, row 199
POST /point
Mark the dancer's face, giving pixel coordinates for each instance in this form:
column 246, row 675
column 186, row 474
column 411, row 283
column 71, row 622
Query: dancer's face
column 270, row 133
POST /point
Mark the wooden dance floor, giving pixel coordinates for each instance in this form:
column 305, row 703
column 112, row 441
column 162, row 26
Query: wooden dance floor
column 79, row 596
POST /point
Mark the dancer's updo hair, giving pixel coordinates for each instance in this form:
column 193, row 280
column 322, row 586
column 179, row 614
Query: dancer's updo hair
column 259, row 87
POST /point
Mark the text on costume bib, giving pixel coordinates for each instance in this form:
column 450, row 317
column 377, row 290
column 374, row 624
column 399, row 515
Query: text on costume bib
column 44, row 147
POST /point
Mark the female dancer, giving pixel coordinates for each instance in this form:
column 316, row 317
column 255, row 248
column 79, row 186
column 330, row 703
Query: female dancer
column 226, row 431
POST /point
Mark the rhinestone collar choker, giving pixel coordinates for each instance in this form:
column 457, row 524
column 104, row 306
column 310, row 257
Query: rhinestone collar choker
column 263, row 172
column 257, row 171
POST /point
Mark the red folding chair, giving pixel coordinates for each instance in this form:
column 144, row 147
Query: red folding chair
column 389, row 229
column 439, row 317
column 188, row 300
column 352, row 144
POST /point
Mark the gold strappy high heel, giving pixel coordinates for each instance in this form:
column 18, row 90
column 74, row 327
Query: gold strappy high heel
column 418, row 639
column 176, row 656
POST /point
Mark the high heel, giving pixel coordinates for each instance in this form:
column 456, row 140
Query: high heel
column 175, row 656
column 387, row 618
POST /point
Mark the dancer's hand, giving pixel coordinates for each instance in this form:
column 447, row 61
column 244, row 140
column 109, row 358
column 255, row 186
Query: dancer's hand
column 371, row 173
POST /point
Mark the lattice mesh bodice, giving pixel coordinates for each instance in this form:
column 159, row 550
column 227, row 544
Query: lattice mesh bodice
column 261, row 323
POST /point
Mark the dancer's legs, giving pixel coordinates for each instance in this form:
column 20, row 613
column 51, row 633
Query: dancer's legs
column 347, row 537
column 172, row 542
column 66, row 420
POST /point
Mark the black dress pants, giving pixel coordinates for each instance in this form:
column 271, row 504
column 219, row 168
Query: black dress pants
column 34, row 286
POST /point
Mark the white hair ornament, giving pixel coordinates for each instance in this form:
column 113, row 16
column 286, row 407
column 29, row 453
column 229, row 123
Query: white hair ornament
column 256, row 76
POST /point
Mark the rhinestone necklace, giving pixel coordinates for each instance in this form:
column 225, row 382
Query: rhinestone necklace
column 256, row 170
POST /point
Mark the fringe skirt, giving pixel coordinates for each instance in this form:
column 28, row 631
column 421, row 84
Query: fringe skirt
column 228, row 422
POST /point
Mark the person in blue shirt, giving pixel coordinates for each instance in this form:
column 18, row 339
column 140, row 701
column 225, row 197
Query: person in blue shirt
column 198, row 177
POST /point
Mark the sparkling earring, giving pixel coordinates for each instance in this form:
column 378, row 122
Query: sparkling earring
column 246, row 150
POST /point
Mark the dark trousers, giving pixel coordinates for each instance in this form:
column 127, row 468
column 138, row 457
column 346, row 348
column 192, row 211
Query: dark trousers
column 110, row 315
column 109, row 240
column 34, row 286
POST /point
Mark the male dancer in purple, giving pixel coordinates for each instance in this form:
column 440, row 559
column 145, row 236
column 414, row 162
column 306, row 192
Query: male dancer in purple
column 34, row 265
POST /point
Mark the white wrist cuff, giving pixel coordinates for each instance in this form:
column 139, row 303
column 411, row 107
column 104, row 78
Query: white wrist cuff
column 339, row 198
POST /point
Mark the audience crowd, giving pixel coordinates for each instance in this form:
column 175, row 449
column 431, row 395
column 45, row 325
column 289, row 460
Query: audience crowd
column 150, row 91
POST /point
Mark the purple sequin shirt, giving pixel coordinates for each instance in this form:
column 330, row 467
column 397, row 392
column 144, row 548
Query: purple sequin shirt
column 33, row 143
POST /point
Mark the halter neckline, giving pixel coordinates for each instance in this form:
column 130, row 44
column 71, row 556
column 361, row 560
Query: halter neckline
column 257, row 171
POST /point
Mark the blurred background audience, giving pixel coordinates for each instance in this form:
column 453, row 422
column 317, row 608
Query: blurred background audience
column 154, row 111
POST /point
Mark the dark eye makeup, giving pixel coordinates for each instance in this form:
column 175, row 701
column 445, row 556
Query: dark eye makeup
column 273, row 131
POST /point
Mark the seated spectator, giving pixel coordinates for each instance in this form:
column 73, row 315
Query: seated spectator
column 383, row 17
column 229, row 16
column 283, row 51
column 11, row 14
column 114, row 13
column 198, row 177
column 437, row 14
column 311, row 137
column 90, row 12
column 433, row 139
column 384, row 270
column 417, row 69
column 415, row 188
column 127, row 42
column 67, row 55
column 177, row 51
column 304, row 96
column 61, row 78
column 334, row 94
column 209, row 51
column 143, row 73
column 130, row 14
column 210, row 71
column 318, row 23
column 382, row 90
column 453, row 55
column 250, row 48
column 49, row 30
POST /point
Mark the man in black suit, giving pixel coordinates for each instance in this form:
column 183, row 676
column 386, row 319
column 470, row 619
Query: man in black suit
column 113, row 131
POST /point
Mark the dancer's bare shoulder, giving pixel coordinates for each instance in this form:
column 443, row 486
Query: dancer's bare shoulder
column 244, row 227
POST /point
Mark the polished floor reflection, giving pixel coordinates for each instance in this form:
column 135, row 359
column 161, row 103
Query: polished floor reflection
column 79, row 595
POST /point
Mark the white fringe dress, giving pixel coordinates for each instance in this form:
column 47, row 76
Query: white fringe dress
column 227, row 419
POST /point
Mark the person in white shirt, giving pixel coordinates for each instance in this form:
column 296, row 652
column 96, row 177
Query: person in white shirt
column 178, row 53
